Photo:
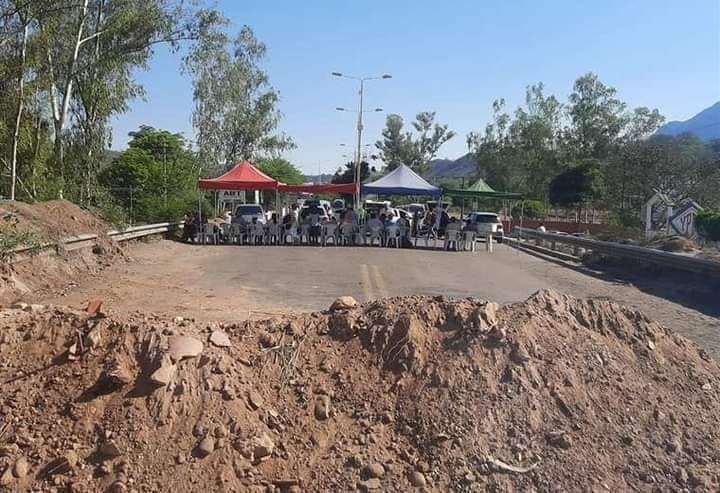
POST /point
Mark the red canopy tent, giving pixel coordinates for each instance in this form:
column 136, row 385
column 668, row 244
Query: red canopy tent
column 243, row 176
column 348, row 188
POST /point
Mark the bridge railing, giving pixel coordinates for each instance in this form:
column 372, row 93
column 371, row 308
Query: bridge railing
column 618, row 250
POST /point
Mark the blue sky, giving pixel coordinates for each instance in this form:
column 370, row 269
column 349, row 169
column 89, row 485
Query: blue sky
column 452, row 57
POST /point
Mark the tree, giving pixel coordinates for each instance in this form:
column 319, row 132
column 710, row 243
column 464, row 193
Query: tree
column 415, row 151
column 578, row 186
column 235, row 114
column 158, row 172
column 346, row 173
column 281, row 170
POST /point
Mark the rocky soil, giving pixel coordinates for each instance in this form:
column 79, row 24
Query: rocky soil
column 401, row 394
column 50, row 222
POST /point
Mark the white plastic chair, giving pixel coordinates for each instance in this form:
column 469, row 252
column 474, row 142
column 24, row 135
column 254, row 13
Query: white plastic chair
column 329, row 232
column 468, row 241
column 207, row 233
column 226, row 232
column 452, row 237
column 375, row 232
column 347, row 234
column 291, row 234
column 392, row 234
column 258, row 234
column 272, row 236
column 305, row 233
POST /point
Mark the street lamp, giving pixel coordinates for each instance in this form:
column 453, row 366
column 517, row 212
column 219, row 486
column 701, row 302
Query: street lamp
column 359, row 124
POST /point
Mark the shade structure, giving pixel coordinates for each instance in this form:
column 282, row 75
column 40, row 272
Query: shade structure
column 480, row 186
column 338, row 188
column 401, row 181
column 480, row 190
column 243, row 176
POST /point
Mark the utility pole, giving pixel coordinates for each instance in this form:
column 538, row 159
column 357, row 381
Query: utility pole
column 165, row 174
column 358, row 155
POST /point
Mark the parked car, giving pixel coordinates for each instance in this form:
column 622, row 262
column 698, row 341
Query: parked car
column 316, row 207
column 487, row 222
column 250, row 211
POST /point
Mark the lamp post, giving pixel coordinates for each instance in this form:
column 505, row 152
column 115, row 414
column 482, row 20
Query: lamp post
column 359, row 125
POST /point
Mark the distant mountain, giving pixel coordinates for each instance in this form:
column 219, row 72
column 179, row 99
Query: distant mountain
column 463, row 167
column 705, row 125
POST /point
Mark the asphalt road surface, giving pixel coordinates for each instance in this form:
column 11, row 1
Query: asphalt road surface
column 233, row 282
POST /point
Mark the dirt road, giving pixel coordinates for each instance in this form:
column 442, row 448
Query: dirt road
column 230, row 283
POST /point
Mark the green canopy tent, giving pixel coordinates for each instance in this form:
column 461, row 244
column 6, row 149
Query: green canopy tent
column 480, row 190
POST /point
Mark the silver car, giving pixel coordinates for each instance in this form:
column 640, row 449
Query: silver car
column 487, row 222
column 250, row 211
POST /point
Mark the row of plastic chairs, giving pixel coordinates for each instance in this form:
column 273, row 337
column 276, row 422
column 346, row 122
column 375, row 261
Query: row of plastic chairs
column 275, row 234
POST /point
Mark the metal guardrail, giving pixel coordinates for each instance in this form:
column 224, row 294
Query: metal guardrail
column 632, row 252
column 89, row 240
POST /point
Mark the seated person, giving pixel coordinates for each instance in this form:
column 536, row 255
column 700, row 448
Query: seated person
column 374, row 223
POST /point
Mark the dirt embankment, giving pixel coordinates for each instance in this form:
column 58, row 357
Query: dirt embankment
column 49, row 222
column 552, row 394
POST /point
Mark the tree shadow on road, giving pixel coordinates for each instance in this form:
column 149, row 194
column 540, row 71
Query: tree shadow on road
column 689, row 290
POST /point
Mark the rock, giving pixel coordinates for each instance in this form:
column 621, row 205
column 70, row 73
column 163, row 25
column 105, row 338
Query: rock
column 21, row 468
column 61, row 465
column 417, row 479
column 263, row 446
column 497, row 335
column 116, row 375
column 206, row 446
column 255, row 400
column 559, row 439
column 93, row 339
column 220, row 339
column 344, row 303
column 19, row 306
column 164, row 375
column 7, row 477
column 110, row 449
column 118, row 487
column 375, row 470
column 707, row 386
column 423, row 466
column 518, row 355
column 682, row 476
column 369, row 485
column 322, row 407
column 181, row 347
column 221, row 431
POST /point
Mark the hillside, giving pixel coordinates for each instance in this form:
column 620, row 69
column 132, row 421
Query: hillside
column 464, row 166
column 705, row 125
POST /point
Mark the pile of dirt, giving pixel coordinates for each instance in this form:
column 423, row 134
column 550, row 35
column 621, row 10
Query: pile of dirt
column 53, row 220
column 50, row 222
column 552, row 394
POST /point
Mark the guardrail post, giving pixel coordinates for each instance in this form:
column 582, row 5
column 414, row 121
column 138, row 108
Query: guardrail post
column 489, row 242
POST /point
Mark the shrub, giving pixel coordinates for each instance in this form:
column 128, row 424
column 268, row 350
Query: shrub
column 11, row 238
column 707, row 223
column 533, row 209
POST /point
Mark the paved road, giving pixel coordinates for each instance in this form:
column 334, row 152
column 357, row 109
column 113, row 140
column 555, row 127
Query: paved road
column 232, row 282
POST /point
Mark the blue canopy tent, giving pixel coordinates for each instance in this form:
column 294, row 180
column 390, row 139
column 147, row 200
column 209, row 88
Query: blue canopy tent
column 401, row 181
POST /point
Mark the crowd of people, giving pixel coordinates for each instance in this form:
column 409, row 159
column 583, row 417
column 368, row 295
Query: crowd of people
column 313, row 225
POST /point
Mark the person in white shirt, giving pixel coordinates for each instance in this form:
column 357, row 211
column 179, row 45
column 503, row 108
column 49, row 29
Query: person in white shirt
column 541, row 228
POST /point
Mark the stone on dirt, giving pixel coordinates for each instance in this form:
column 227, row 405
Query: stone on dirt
column 322, row 407
column 344, row 303
column 417, row 479
column 263, row 446
column 181, row 347
column 371, row 484
column 255, row 399
column 206, row 446
column 374, row 470
column 220, row 339
column 21, row 468
column 164, row 375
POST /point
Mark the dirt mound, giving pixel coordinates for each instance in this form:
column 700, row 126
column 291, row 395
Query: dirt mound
column 49, row 222
column 553, row 393
column 54, row 219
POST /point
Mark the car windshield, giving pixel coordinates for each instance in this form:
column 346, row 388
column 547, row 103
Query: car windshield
column 486, row 218
column 247, row 210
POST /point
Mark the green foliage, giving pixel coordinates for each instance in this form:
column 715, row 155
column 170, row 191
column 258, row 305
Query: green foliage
column 707, row 223
column 156, row 177
column 235, row 113
column 346, row 174
column 281, row 170
column 577, row 186
column 11, row 239
column 531, row 209
column 415, row 151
